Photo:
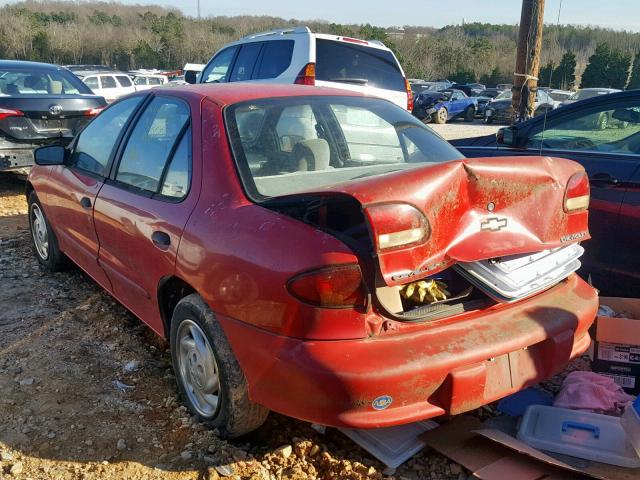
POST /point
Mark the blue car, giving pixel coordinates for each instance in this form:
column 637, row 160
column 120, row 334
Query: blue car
column 603, row 135
column 445, row 105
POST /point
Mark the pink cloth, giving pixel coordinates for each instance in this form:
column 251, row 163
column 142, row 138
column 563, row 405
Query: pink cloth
column 592, row 391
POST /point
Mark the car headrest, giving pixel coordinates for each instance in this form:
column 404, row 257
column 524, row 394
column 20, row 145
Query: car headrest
column 55, row 87
column 311, row 155
column 32, row 81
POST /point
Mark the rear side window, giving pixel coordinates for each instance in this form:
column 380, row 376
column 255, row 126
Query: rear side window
column 123, row 80
column 97, row 140
column 276, row 58
column 140, row 81
column 152, row 144
column 243, row 68
column 357, row 64
column 154, row 81
column 108, row 82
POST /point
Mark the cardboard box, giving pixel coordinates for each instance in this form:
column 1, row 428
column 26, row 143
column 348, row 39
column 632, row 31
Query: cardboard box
column 616, row 350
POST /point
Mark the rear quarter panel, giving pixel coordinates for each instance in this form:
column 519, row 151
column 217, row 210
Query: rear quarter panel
column 239, row 256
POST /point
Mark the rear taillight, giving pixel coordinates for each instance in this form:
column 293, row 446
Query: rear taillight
column 355, row 40
column 92, row 112
column 10, row 112
column 576, row 196
column 397, row 225
column 330, row 287
column 307, row 75
column 407, row 87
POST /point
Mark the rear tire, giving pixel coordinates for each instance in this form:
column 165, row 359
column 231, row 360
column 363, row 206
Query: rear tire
column 469, row 113
column 43, row 240
column 440, row 116
column 195, row 362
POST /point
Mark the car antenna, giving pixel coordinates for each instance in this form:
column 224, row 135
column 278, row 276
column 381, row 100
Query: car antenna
column 546, row 110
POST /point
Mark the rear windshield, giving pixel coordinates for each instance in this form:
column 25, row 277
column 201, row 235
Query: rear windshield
column 293, row 144
column 357, row 64
column 39, row 81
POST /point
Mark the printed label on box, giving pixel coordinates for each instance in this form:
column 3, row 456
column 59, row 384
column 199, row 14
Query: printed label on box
column 614, row 352
column 623, row 380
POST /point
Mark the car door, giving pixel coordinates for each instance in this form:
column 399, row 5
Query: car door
column 109, row 88
column 141, row 210
column 457, row 103
column 72, row 188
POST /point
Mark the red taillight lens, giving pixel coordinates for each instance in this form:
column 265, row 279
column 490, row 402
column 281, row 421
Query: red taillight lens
column 576, row 196
column 407, row 86
column 92, row 112
column 307, row 75
column 397, row 225
column 10, row 112
column 339, row 286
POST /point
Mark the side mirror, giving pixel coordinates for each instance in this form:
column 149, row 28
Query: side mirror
column 190, row 77
column 507, row 136
column 51, row 155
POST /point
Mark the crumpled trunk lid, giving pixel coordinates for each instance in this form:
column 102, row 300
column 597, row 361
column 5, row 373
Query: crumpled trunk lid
column 477, row 209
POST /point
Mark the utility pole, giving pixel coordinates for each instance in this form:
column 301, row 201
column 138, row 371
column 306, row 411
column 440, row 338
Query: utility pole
column 525, row 82
column 198, row 9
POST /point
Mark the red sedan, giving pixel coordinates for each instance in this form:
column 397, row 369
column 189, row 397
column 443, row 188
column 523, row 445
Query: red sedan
column 320, row 253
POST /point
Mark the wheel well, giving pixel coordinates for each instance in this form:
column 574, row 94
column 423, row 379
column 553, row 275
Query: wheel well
column 170, row 292
column 28, row 189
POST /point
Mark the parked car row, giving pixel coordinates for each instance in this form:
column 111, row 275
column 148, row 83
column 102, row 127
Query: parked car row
column 442, row 106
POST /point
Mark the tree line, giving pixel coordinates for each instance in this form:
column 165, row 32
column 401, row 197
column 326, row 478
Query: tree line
column 136, row 36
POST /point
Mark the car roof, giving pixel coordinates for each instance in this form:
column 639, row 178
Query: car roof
column 93, row 73
column 599, row 89
column 25, row 63
column 230, row 93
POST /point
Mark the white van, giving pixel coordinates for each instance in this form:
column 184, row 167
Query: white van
column 300, row 56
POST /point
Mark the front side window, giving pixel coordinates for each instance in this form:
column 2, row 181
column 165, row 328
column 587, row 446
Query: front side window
column 108, row 82
column 604, row 128
column 243, row 68
column 218, row 69
column 293, row 144
column 92, row 82
column 151, row 143
column 97, row 140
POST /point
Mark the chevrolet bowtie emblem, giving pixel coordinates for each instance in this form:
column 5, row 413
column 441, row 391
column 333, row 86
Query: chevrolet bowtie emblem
column 493, row 224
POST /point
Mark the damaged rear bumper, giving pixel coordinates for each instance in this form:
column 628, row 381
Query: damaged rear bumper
column 402, row 378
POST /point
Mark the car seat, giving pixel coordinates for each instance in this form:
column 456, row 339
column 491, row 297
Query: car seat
column 311, row 155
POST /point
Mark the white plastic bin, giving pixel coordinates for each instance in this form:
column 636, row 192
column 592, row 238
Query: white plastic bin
column 631, row 424
column 581, row 434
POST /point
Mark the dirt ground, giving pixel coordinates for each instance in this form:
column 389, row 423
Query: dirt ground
column 88, row 392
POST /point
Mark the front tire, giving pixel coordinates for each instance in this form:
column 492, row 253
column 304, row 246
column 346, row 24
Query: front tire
column 43, row 239
column 209, row 376
column 440, row 116
column 469, row 114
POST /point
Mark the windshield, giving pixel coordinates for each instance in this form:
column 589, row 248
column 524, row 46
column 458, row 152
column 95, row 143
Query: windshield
column 295, row 144
column 39, row 81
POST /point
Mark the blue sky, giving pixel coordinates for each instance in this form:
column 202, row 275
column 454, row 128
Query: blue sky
column 616, row 14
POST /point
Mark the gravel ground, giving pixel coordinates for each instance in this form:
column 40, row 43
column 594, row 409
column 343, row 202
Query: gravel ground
column 458, row 129
column 70, row 409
